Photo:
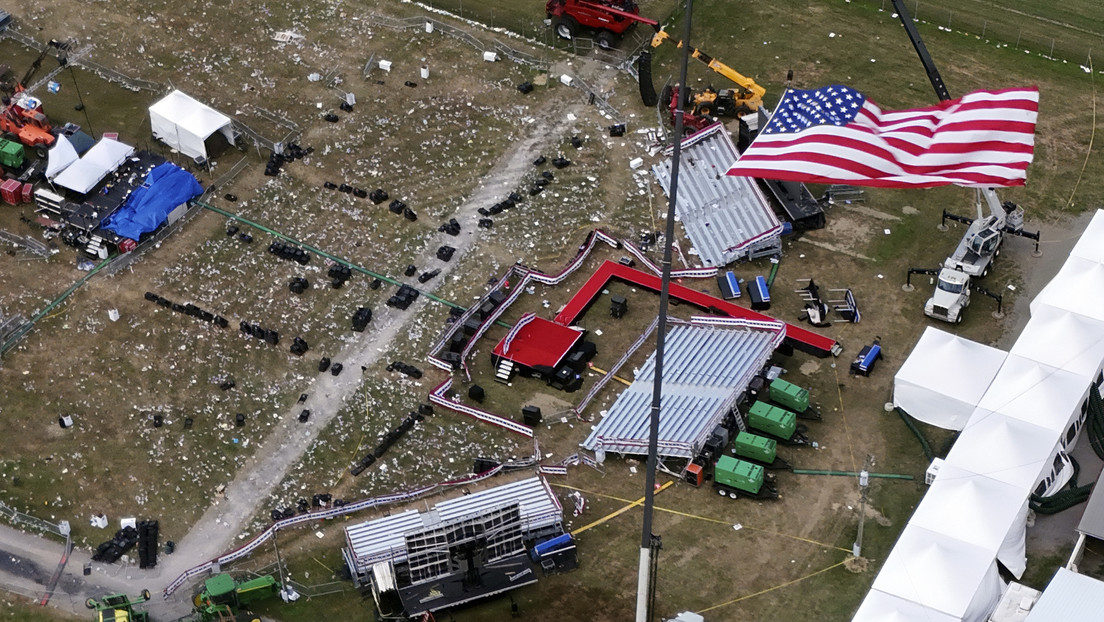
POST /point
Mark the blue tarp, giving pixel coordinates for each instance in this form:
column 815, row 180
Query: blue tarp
column 148, row 205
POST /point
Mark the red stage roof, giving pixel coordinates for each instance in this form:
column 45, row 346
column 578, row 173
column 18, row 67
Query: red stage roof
column 540, row 342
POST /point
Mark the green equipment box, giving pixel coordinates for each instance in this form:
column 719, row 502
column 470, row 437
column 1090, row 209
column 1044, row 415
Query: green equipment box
column 755, row 447
column 772, row 420
column 11, row 154
column 789, row 395
column 738, row 474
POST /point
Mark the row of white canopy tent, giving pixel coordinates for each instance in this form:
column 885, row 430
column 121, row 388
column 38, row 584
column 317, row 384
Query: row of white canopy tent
column 81, row 174
column 1019, row 413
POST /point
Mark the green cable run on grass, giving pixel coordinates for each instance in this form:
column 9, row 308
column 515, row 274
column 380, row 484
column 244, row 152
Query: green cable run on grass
column 852, row 474
column 26, row 328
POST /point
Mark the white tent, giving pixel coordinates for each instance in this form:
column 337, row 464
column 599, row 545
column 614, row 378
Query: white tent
column 1078, row 287
column 1089, row 246
column 946, row 575
column 60, row 156
column 882, row 607
column 103, row 158
column 943, row 378
column 979, row 510
column 184, row 124
column 1062, row 339
column 1010, row 450
column 1037, row 393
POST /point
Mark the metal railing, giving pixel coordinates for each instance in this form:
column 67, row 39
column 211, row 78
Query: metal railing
column 22, row 518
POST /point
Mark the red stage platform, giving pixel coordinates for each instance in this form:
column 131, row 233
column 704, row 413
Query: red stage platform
column 537, row 342
column 800, row 338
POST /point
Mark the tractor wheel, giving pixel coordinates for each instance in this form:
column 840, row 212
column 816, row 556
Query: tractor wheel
column 565, row 27
column 705, row 110
column 666, row 95
column 606, row 40
column 146, row 594
column 90, row 603
column 40, row 152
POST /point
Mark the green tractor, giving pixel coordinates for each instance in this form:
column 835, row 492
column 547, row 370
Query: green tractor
column 119, row 608
column 222, row 596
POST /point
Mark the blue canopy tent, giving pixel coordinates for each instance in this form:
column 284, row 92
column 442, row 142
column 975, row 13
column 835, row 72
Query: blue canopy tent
column 166, row 187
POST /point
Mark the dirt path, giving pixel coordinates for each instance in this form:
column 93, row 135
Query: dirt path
column 216, row 531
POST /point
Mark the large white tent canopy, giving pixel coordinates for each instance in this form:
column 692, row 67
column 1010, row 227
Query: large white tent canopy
column 944, row 377
column 60, row 156
column 1078, row 287
column 184, row 124
column 1062, row 339
column 882, row 607
column 979, row 510
column 1006, row 449
column 944, row 574
column 103, row 158
column 1036, row 393
column 1091, row 243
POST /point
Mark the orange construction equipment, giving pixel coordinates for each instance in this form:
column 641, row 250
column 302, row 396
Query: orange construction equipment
column 22, row 117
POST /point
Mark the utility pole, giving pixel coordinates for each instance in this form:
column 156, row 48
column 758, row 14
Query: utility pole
column 649, row 542
column 864, row 487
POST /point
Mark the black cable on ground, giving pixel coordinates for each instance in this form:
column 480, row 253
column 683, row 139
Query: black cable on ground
column 1066, row 498
column 1095, row 422
column 916, row 431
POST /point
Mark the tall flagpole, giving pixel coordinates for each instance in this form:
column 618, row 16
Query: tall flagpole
column 648, row 549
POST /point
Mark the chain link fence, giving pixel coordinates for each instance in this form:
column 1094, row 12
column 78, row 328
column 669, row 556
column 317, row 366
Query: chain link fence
column 111, row 75
column 1049, row 38
column 20, row 518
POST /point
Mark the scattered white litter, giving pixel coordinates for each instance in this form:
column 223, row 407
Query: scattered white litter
column 385, row 65
column 1011, row 287
column 881, row 276
column 886, row 231
column 113, row 315
column 319, row 535
column 737, row 527
column 636, row 163
column 598, row 331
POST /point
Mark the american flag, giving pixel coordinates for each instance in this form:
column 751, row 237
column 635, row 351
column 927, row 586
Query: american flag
column 835, row 134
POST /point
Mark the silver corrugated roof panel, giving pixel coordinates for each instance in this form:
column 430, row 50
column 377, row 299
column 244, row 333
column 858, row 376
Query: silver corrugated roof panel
column 725, row 217
column 1070, row 597
column 381, row 539
column 705, row 370
column 539, row 507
